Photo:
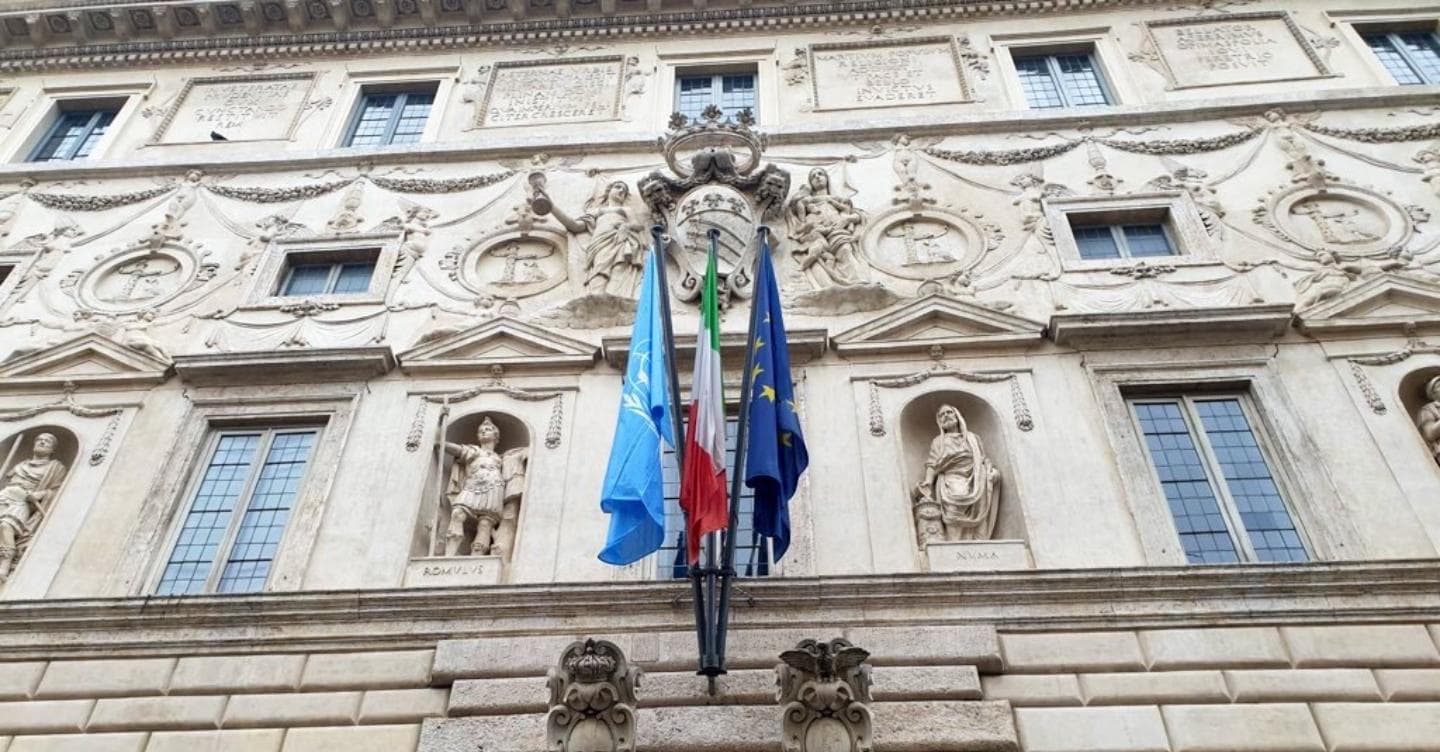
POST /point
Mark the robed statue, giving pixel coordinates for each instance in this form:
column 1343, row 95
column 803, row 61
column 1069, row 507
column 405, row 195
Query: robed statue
column 28, row 487
column 825, row 228
column 615, row 252
column 1429, row 418
column 484, row 493
column 960, row 494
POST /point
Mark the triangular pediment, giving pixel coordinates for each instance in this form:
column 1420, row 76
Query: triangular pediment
column 1383, row 302
column 503, row 341
column 938, row 321
column 90, row 359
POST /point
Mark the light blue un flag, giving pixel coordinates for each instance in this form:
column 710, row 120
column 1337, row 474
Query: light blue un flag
column 633, row 495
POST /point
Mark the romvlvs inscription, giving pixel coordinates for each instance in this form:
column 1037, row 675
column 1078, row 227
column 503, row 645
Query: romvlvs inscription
column 882, row 75
column 237, row 110
column 554, row 93
column 1225, row 52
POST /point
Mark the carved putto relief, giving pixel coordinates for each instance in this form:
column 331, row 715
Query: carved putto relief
column 484, row 494
column 34, row 472
column 958, row 496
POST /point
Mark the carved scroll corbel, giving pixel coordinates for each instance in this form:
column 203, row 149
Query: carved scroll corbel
column 592, row 699
column 824, row 691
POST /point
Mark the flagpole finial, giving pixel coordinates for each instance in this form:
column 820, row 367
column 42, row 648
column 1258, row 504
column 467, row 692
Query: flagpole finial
column 713, row 234
column 763, row 230
column 657, row 230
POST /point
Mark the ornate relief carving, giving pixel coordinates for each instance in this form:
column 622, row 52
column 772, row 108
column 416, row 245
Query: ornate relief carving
column 81, row 203
column 1020, row 411
column 509, row 263
column 930, row 243
column 1347, row 219
column 824, row 693
column 615, row 250
column 142, row 276
column 592, row 699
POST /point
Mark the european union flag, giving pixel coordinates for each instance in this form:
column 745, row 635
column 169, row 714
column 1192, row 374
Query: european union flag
column 775, row 454
column 633, row 495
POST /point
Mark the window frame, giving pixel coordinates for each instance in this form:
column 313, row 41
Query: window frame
column 283, row 254
column 1214, row 473
column 380, row 80
column 402, row 92
column 1052, row 67
column 90, row 126
column 1122, row 241
column 199, row 464
column 1175, row 211
column 1392, row 34
column 717, row 74
column 1099, row 42
column 336, row 268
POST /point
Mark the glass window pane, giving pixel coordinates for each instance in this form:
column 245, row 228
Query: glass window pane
column 1424, row 53
column 694, row 94
column 1187, row 486
column 307, row 279
column 74, row 135
column 1081, row 80
column 372, row 122
column 1147, row 240
column 1096, row 242
column 737, row 92
column 354, row 278
column 1041, row 91
column 248, row 564
column 413, row 114
column 1247, row 476
column 752, row 552
column 1384, row 48
column 203, row 530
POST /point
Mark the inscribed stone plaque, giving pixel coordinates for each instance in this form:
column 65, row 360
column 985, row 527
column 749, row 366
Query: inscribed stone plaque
column 857, row 75
column 453, row 571
column 977, row 556
column 571, row 91
column 1249, row 48
column 257, row 108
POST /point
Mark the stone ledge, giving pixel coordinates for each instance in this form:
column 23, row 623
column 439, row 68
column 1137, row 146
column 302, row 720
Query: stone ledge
column 899, row 727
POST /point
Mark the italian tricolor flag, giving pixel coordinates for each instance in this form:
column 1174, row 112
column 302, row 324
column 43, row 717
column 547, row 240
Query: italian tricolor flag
column 702, row 480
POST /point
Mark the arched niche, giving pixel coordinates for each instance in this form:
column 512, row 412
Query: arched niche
column 514, row 434
column 17, row 449
column 1412, row 396
column 918, row 428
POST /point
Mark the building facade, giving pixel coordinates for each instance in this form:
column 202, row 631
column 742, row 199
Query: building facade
column 1109, row 322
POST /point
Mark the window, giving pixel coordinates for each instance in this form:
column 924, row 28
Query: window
column 316, row 274
column 1221, row 492
column 74, row 135
column 238, row 510
column 1116, row 241
column 1053, row 81
column 730, row 91
column 752, row 552
column 1412, row 57
column 391, row 117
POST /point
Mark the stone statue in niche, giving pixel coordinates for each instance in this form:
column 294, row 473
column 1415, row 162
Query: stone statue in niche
column 1429, row 419
column 28, row 486
column 615, row 254
column 825, row 228
column 960, row 494
column 484, row 493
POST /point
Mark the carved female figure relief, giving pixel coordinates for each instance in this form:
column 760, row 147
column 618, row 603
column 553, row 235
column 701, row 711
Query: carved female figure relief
column 28, row 487
column 959, row 496
column 485, row 490
column 825, row 228
column 1429, row 418
column 615, row 254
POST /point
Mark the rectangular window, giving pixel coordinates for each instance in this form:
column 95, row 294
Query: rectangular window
column 319, row 274
column 1412, row 57
column 238, row 510
column 1116, row 241
column 730, row 91
column 1221, row 492
column 752, row 552
column 1061, row 80
column 390, row 117
column 75, row 134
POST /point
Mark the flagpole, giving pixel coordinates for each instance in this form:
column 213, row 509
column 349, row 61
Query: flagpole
column 712, row 664
column 667, row 328
column 742, row 431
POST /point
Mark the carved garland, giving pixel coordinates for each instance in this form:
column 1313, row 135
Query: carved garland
column 1398, row 134
column 82, row 203
column 1362, row 380
column 68, row 404
column 1018, row 406
column 553, row 429
column 1158, row 147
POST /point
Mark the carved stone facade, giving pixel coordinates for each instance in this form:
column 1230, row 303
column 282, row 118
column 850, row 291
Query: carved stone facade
column 314, row 313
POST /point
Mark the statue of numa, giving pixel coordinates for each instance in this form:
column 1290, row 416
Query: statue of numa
column 960, row 493
column 28, row 487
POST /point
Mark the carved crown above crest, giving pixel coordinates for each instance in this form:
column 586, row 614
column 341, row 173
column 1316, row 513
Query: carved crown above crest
column 506, row 342
column 938, row 321
column 87, row 360
column 1384, row 302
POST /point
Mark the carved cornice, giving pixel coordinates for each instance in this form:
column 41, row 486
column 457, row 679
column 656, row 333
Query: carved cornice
column 1169, row 597
column 67, row 33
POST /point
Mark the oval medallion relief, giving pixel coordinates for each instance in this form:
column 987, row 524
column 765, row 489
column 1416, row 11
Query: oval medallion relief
column 142, row 278
column 928, row 244
column 1343, row 219
column 515, row 265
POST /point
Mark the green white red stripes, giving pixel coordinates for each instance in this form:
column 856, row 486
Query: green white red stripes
column 702, row 480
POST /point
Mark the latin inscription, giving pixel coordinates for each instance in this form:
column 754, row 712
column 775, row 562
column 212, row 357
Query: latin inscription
column 453, row 571
column 554, row 93
column 886, row 75
column 1227, row 52
column 237, row 111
